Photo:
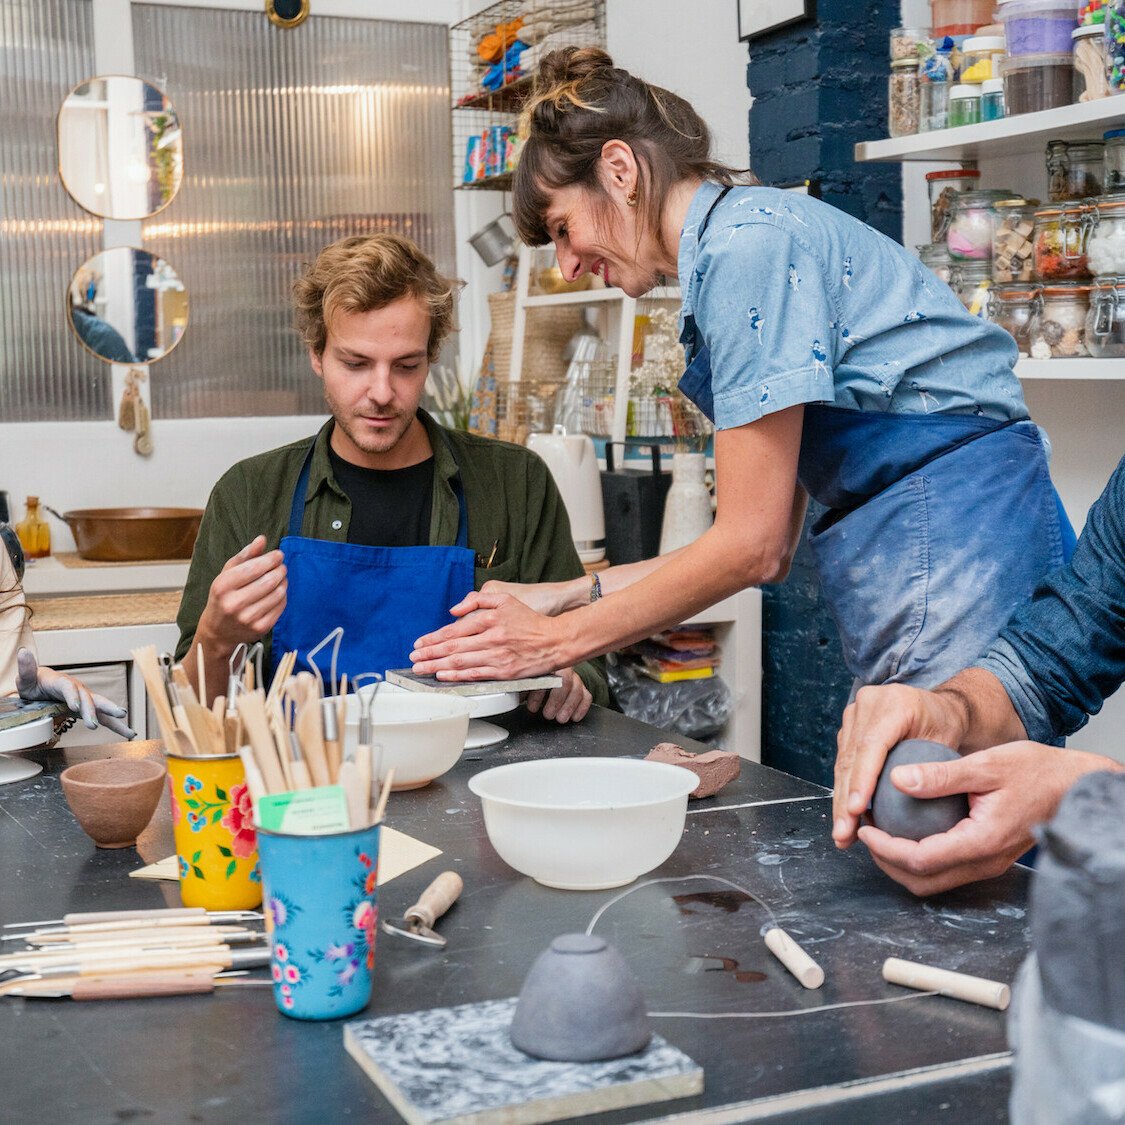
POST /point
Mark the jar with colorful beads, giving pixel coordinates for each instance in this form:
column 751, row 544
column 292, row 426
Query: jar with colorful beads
column 1115, row 44
column 1060, row 242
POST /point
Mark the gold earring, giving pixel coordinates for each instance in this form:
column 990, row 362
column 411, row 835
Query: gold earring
column 631, row 198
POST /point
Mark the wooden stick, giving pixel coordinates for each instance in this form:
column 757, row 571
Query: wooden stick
column 251, row 709
column 254, row 781
column 793, row 957
column 362, row 761
column 201, row 674
column 381, row 807
column 959, row 986
column 149, row 665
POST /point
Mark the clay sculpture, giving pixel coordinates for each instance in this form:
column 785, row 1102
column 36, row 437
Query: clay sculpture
column 714, row 768
column 113, row 799
column 580, row 1003
column 898, row 814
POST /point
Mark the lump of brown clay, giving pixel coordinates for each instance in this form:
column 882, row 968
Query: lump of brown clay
column 714, row 768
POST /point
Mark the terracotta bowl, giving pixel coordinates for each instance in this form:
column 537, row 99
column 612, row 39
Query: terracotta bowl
column 113, row 799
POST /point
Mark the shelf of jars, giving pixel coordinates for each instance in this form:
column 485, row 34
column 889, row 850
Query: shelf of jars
column 1023, row 135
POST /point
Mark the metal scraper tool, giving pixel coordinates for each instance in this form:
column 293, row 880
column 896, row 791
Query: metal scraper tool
column 418, row 922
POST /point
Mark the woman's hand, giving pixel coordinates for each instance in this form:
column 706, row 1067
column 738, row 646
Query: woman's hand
column 37, row 684
column 497, row 638
column 548, row 598
column 565, row 704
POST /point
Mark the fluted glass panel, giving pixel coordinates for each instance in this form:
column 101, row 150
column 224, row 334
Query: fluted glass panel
column 45, row 50
column 292, row 139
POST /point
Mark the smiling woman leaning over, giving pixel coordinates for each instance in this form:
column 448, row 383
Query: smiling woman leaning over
column 833, row 365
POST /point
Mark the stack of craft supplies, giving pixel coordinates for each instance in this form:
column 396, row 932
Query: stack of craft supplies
column 678, row 654
column 131, row 953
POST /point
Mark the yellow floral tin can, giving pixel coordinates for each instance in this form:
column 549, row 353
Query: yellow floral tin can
column 213, row 826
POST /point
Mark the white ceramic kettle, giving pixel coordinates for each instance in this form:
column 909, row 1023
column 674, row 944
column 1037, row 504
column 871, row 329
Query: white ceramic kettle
column 574, row 465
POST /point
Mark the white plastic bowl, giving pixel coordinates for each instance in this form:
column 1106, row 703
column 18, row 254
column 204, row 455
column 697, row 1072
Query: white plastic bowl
column 421, row 733
column 584, row 824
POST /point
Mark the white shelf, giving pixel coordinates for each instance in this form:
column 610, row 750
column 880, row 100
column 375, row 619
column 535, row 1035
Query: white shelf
column 585, row 297
column 1024, row 134
column 1100, row 369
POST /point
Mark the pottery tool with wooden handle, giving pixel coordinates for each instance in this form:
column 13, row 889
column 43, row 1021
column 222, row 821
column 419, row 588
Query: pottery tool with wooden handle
column 125, row 986
column 418, row 921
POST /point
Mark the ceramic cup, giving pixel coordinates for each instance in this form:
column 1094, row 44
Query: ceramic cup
column 321, row 913
column 113, row 799
column 213, row 826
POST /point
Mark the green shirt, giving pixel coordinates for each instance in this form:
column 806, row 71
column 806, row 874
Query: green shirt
column 512, row 501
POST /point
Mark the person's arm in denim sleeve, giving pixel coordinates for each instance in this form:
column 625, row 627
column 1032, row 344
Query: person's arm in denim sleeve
column 766, row 312
column 1063, row 654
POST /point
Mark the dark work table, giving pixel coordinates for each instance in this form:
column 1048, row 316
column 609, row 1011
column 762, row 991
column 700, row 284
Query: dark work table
column 231, row 1056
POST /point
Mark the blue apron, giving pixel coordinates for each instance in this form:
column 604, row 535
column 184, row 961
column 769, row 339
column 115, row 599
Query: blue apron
column 384, row 597
column 938, row 527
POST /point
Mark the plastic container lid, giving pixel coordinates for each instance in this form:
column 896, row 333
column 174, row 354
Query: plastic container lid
column 1113, row 133
column 1023, row 9
column 983, row 44
column 996, row 86
column 1035, row 62
column 902, row 64
column 956, row 174
column 1088, row 30
column 957, row 93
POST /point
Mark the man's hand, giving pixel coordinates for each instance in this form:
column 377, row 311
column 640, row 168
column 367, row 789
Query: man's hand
column 37, row 684
column 567, row 703
column 1011, row 789
column 872, row 726
column 246, row 599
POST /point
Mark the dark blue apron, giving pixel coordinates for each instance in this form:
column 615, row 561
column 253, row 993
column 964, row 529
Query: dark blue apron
column 384, row 597
column 938, row 527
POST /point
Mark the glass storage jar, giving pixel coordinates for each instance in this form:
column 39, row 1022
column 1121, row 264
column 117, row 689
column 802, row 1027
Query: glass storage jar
column 1012, row 307
column 1115, row 45
column 981, row 56
column 1105, row 245
column 1035, row 82
column 1089, row 63
column 1060, row 243
column 973, row 223
column 1038, row 27
column 1075, row 170
column 1105, row 322
column 1114, row 160
column 1012, row 241
column 935, row 256
column 1058, row 328
column 959, row 17
column 992, row 99
column 935, row 75
column 903, row 98
column 972, row 282
column 964, row 105
column 944, row 187
column 905, row 42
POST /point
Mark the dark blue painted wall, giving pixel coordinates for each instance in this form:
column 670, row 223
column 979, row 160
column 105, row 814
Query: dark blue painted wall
column 818, row 89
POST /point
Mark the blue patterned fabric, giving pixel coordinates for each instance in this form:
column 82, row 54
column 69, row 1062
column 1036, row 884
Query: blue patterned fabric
column 798, row 302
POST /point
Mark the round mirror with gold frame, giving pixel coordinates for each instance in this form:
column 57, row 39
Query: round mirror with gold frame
column 120, row 147
column 127, row 306
column 287, row 13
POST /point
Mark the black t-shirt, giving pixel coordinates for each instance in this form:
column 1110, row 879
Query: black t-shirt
column 390, row 507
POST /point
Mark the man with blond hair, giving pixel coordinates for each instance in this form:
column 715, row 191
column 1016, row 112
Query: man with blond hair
column 384, row 519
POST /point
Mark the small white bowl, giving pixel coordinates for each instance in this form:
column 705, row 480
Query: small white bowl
column 584, row 824
column 422, row 734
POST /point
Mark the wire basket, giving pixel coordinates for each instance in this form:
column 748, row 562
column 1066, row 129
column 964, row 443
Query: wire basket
column 525, row 406
column 488, row 92
column 597, row 393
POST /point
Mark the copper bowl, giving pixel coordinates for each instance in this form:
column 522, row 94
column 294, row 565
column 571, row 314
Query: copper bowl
column 134, row 534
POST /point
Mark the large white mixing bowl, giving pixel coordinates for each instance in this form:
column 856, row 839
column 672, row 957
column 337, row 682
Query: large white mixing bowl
column 584, row 824
column 421, row 734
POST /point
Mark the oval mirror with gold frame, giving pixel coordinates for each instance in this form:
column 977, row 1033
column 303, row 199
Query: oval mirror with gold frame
column 287, row 13
column 120, row 147
column 127, row 306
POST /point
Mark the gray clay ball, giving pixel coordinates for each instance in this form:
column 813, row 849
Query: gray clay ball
column 908, row 817
column 580, row 1003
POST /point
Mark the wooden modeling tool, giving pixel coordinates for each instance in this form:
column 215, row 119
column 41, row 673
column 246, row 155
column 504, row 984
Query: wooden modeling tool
column 958, row 986
column 793, row 957
column 384, row 796
column 127, row 986
column 332, row 749
column 418, row 921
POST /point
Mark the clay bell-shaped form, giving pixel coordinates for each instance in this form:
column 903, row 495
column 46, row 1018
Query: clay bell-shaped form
column 580, row 1003
column 899, row 814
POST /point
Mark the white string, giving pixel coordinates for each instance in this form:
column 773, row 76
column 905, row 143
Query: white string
column 790, row 1012
column 681, row 879
column 773, row 917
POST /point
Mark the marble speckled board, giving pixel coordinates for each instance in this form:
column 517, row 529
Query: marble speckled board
column 457, row 1066
column 405, row 678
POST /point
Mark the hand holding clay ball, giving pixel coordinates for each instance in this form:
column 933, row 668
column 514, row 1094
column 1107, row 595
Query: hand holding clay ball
column 912, row 818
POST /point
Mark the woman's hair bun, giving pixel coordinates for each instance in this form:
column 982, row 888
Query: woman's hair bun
column 565, row 66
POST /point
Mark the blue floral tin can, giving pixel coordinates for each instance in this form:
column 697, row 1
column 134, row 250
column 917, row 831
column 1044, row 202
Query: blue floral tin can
column 321, row 913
